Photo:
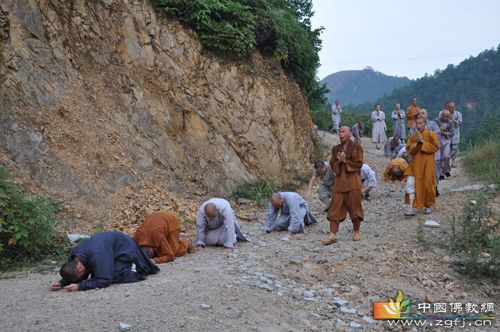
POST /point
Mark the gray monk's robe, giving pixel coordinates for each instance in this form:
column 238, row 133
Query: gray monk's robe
column 357, row 132
column 456, row 117
column 398, row 124
column 223, row 230
column 326, row 182
column 293, row 216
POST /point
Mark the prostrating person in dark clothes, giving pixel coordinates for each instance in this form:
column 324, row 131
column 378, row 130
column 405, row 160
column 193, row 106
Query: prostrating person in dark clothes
column 108, row 258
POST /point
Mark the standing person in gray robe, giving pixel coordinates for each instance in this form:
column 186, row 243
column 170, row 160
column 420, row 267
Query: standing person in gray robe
column 322, row 172
column 336, row 110
column 379, row 127
column 446, row 127
column 216, row 225
column 358, row 131
column 456, row 118
column 432, row 126
column 288, row 211
column 398, row 122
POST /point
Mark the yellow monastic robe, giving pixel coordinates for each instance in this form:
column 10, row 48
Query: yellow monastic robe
column 422, row 167
column 401, row 164
column 411, row 115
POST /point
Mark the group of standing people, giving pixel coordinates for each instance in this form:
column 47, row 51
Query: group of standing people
column 429, row 153
column 432, row 149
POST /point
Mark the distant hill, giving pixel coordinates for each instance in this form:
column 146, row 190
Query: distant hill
column 474, row 86
column 359, row 86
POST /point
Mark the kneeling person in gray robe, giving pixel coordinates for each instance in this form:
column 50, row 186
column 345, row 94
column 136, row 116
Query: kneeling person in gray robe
column 288, row 211
column 216, row 225
column 322, row 172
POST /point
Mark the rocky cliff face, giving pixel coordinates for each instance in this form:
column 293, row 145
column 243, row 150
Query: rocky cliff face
column 101, row 97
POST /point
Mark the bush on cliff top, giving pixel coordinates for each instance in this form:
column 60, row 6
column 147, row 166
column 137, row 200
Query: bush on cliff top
column 278, row 28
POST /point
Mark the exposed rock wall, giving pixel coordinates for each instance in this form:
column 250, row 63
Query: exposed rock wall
column 96, row 96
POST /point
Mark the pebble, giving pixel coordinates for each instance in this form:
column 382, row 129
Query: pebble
column 355, row 325
column 205, row 306
column 266, row 286
column 432, row 223
column 233, row 313
column 369, row 320
column 265, row 280
column 339, row 301
column 124, row 327
column 308, row 294
column 347, row 310
column 309, row 299
column 326, row 292
column 285, row 238
column 363, row 311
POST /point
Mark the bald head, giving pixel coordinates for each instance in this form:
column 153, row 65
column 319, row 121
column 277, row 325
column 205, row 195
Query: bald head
column 396, row 173
column 423, row 114
column 276, row 199
column 345, row 134
column 211, row 210
column 445, row 115
column 451, row 107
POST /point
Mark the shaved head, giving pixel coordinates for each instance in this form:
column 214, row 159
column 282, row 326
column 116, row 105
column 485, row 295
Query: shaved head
column 445, row 115
column 211, row 210
column 276, row 199
column 396, row 173
column 345, row 134
column 423, row 113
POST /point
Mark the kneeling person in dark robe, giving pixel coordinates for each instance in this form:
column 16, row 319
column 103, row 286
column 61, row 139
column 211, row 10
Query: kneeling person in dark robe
column 107, row 258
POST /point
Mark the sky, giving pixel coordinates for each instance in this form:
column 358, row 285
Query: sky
column 403, row 37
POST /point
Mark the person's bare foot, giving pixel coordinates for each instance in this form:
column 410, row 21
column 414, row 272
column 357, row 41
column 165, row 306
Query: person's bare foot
column 356, row 236
column 330, row 239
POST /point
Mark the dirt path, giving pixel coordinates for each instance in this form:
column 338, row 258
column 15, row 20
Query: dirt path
column 272, row 283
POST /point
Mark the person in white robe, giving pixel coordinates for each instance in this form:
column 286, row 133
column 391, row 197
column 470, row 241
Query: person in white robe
column 336, row 110
column 368, row 180
column 216, row 225
column 378, row 127
column 288, row 211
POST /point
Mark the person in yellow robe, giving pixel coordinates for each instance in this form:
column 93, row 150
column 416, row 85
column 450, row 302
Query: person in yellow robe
column 398, row 169
column 412, row 112
column 421, row 146
column 159, row 237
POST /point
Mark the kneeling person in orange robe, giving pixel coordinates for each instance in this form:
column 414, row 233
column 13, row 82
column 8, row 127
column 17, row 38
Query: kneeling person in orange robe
column 346, row 163
column 398, row 169
column 159, row 236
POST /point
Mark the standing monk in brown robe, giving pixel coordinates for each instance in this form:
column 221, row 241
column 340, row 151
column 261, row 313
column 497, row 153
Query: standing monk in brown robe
column 412, row 112
column 159, row 236
column 422, row 145
column 346, row 163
